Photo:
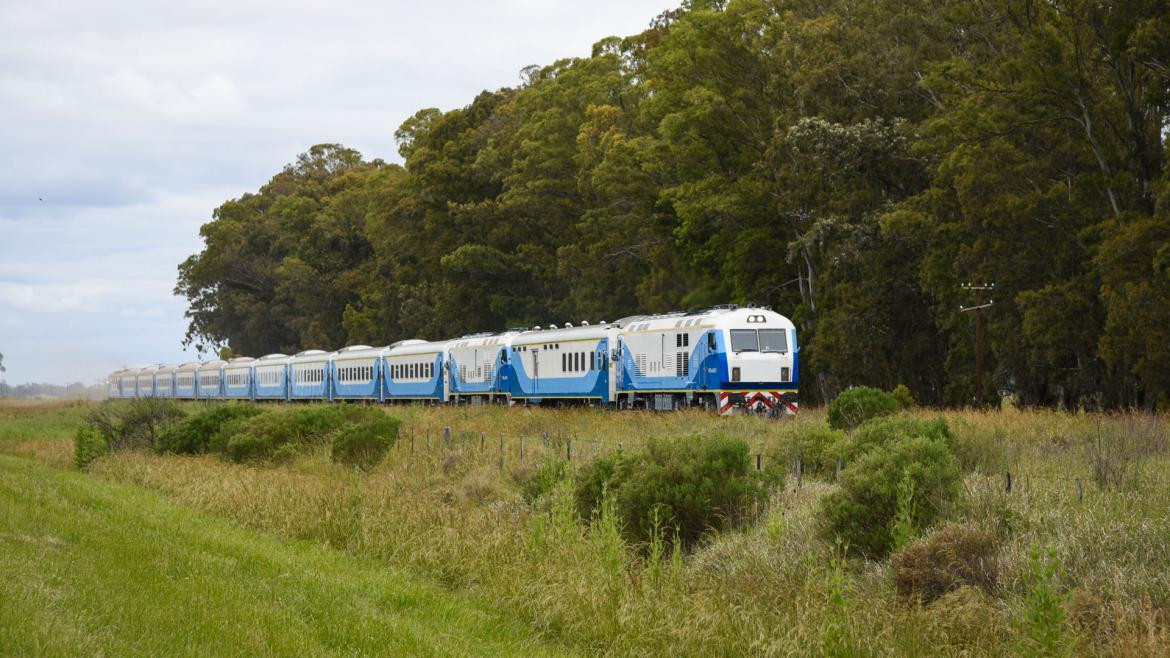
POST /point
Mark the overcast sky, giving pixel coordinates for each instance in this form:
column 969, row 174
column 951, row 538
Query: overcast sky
column 124, row 124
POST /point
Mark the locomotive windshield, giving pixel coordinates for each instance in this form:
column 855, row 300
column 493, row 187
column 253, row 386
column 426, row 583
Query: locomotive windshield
column 773, row 340
column 744, row 340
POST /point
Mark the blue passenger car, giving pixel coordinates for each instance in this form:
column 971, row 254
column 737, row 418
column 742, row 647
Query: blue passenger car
column 270, row 374
column 186, row 377
column 209, row 380
column 357, row 373
column 414, row 370
column 309, row 374
column 477, row 367
column 237, row 378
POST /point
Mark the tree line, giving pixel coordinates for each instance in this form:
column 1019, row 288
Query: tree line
column 851, row 163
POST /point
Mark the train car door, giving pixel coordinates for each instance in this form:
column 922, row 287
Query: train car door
column 535, row 370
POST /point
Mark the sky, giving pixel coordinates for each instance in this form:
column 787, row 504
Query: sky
column 124, row 124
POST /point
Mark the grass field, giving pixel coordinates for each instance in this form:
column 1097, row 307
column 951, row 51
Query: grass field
column 92, row 567
column 1082, row 569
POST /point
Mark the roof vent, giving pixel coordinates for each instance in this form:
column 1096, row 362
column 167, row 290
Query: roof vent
column 552, row 326
column 568, row 325
column 536, row 328
column 584, row 323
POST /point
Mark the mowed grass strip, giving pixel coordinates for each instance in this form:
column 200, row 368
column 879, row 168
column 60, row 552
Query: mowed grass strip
column 92, row 568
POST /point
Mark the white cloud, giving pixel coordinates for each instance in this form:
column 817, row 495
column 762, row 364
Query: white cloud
column 124, row 124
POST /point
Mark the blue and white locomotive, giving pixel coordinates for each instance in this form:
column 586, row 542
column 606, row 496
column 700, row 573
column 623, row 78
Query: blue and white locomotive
column 724, row 358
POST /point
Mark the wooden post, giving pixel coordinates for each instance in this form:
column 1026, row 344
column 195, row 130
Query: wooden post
column 482, row 439
column 1007, row 482
column 759, row 462
column 1080, row 492
column 837, row 470
column 501, row 451
column 799, row 472
column 447, row 436
column 569, row 449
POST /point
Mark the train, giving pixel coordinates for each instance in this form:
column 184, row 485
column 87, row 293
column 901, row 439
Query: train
column 727, row 359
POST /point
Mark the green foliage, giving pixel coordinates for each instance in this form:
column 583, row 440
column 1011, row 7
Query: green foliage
column 194, row 434
column 817, row 445
column 88, row 444
column 132, row 425
column 590, row 482
column 904, row 397
column 279, row 435
column 856, row 405
column 1042, row 620
column 883, row 430
column 542, row 481
column 692, row 485
column 365, row 445
column 862, row 512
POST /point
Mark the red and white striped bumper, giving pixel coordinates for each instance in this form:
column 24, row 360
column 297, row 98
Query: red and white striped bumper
column 759, row 402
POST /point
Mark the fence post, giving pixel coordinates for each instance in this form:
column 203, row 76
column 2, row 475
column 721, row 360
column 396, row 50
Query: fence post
column 1080, row 492
column 521, row 447
column 501, row 451
column 1007, row 482
column 837, row 470
column 758, row 462
column 619, row 446
column 569, row 449
column 447, row 436
column 481, row 441
column 799, row 471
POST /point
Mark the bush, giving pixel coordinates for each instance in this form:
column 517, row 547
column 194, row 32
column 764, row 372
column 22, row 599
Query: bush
column 691, row 485
column 543, row 480
column 133, row 425
column 194, row 434
column 814, row 442
column 591, row 483
column 365, row 445
column 863, row 511
column 904, row 397
column 884, row 430
column 284, row 433
column 945, row 560
column 856, row 405
column 88, row 445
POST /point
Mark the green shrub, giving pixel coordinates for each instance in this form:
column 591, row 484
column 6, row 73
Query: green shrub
column 591, row 482
column 88, row 445
column 134, row 424
column 883, row 430
column 945, row 560
column 904, row 397
column 193, row 435
column 691, row 485
column 265, row 436
column 542, row 481
column 862, row 512
column 856, row 405
column 365, row 445
column 814, row 443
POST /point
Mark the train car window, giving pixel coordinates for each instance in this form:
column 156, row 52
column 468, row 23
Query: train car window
column 744, row 340
column 592, row 361
column 564, row 362
column 711, row 342
column 773, row 340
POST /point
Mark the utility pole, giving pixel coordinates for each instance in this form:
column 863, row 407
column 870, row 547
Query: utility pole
column 979, row 288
